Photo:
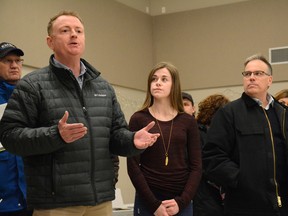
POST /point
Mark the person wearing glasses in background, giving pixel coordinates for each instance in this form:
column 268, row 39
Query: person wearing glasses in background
column 12, row 179
column 282, row 97
column 246, row 148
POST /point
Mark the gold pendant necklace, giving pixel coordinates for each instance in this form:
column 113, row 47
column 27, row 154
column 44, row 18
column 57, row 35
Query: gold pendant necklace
column 166, row 149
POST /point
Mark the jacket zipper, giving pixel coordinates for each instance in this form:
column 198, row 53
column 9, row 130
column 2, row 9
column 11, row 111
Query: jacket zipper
column 274, row 162
column 85, row 111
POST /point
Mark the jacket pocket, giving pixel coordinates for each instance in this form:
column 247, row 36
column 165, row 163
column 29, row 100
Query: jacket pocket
column 250, row 138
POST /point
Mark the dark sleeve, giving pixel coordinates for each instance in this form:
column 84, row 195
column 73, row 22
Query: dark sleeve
column 122, row 140
column 19, row 130
column 115, row 160
column 135, row 173
column 218, row 150
column 195, row 166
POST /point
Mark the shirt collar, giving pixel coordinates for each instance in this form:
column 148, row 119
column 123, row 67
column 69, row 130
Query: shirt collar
column 60, row 65
column 270, row 100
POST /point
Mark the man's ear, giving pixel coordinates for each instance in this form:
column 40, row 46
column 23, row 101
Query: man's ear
column 270, row 81
column 49, row 41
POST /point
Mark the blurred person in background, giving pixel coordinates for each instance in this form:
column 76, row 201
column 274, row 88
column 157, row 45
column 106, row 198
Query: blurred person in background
column 188, row 104
column 282, row 97
column 12, row 179
column 208, row 200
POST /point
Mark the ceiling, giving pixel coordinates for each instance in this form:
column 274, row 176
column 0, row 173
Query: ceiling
column 160, row 7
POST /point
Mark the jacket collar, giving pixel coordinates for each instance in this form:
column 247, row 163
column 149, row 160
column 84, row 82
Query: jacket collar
column 91, row 72
column 60, row 65
column 250, row 102
column 6, row 90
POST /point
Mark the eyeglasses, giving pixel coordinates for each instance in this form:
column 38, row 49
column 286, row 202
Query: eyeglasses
column 10, row 61
column 255, row 73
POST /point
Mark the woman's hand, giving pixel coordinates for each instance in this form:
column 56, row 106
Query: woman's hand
column 171, row 206
column 161, row 211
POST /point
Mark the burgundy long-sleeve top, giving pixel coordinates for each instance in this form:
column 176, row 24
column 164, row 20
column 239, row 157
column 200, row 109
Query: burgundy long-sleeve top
column 180, row 178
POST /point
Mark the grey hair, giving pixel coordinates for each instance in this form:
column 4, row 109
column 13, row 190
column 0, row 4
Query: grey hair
column 261, row 58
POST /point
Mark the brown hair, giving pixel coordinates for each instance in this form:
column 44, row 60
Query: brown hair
column 261, row 58
column 281, row 94
column 209, row 106
column 175, row 95
column 62, row 13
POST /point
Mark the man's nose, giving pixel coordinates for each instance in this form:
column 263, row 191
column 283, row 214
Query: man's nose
column 13, row 64
column 73, row 33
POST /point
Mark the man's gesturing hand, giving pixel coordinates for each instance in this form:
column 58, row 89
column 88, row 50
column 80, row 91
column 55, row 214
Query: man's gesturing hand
column 70, row 132
column 143, row 138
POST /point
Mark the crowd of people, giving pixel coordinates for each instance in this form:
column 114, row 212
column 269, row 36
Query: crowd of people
column 62, row 131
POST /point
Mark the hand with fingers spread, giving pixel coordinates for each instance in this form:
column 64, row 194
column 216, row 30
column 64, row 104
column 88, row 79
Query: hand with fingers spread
column 70, row 132
column 143, row 138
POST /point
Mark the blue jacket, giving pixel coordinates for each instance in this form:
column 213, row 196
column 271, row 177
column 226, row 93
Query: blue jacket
column 12, row 180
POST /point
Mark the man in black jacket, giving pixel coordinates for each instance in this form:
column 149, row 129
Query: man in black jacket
column 246, row 149
column 66, row 122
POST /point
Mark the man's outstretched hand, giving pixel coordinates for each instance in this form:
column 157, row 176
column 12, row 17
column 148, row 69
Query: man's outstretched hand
column 70, row 132
column 143, row 138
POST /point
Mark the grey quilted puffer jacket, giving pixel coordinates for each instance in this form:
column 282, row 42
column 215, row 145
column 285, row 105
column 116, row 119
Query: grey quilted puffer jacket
column 60, row 174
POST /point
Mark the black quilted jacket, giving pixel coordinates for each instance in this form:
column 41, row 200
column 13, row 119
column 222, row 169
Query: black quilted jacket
column 60, row 174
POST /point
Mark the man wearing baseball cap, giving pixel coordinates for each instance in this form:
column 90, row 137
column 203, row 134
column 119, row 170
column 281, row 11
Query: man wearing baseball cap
column 188, row 103
column 12, row 180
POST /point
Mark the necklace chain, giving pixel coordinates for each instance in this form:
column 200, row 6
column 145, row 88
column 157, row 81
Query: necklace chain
column 166, row 149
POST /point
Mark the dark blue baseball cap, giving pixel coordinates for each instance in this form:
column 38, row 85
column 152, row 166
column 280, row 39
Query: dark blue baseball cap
column 8, row 48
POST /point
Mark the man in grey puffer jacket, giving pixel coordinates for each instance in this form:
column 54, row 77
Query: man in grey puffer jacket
column 65, row 121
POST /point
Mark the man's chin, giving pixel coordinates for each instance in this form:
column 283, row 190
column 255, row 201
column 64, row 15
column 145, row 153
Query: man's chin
column 12, row 81
column 251, row 92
